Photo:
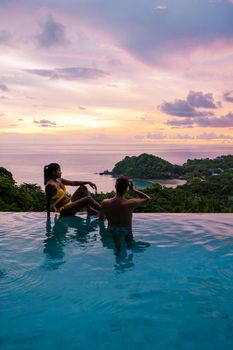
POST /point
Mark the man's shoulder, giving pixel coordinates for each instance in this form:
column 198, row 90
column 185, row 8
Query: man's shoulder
column 106, row 201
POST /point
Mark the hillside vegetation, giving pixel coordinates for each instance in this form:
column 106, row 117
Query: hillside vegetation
column 147, row 166
column 25, row 197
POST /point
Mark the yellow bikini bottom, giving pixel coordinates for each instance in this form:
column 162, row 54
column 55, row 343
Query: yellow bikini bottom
column 58, row 210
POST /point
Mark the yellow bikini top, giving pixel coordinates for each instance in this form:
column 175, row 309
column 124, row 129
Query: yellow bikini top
column 57, row 197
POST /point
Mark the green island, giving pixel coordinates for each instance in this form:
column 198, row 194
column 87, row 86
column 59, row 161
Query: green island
column 208, row 187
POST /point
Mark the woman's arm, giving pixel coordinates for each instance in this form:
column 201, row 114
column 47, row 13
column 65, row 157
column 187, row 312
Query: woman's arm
column 49, row 191
column 78, row 183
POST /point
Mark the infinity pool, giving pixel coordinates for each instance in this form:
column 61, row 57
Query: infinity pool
column 62, row 286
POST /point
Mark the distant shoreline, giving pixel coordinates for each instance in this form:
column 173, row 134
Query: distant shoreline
column 173, row 183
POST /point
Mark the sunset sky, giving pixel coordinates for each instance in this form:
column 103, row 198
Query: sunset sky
column 102, row 71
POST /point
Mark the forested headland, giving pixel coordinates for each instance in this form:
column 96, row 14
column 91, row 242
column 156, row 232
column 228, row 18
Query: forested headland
column 148, row 166
column 24, row 197
column 208, row 188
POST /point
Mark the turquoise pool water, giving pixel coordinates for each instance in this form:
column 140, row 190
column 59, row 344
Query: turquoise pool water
column 62, row 285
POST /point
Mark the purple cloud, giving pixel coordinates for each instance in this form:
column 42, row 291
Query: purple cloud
column 153, row 136
column 45, row 123
column 152, row 33
column 212, row 135
column 188, row 108
column 228, row 96
column 3, row 88
column 183, row 122
column 202, row 136
column 221, row 122
column 199, row 99
column 41, row 72
column 182, row 108
column 53, row 34
column 70, row 73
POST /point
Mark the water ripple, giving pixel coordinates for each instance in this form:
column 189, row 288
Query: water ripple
column 19, row 279
column 64, row 281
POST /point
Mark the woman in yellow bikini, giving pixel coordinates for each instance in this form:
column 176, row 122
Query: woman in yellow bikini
column 59, row 200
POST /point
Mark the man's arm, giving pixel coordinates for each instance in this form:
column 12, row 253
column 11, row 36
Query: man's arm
column 144, row 198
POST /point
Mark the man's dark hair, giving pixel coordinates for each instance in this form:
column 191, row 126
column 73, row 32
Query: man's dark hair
column 122, row 184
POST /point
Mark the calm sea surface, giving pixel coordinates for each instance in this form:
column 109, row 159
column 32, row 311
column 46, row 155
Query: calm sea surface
column 85, row 162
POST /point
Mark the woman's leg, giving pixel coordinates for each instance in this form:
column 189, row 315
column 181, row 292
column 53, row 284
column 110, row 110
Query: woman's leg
column 75, row 206
column 82, row 192
column 92, row 211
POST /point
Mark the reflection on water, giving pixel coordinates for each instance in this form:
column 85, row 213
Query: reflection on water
column 64, row 230
column 124, row 256
column 58, row 234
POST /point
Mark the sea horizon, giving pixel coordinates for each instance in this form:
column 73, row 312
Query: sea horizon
column 86, row 161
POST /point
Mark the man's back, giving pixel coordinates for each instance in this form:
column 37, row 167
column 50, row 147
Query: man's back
column 118, row 211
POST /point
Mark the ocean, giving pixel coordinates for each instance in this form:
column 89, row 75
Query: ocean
column 86, row 161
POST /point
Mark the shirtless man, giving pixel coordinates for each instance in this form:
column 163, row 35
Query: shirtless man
column 119, row 210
